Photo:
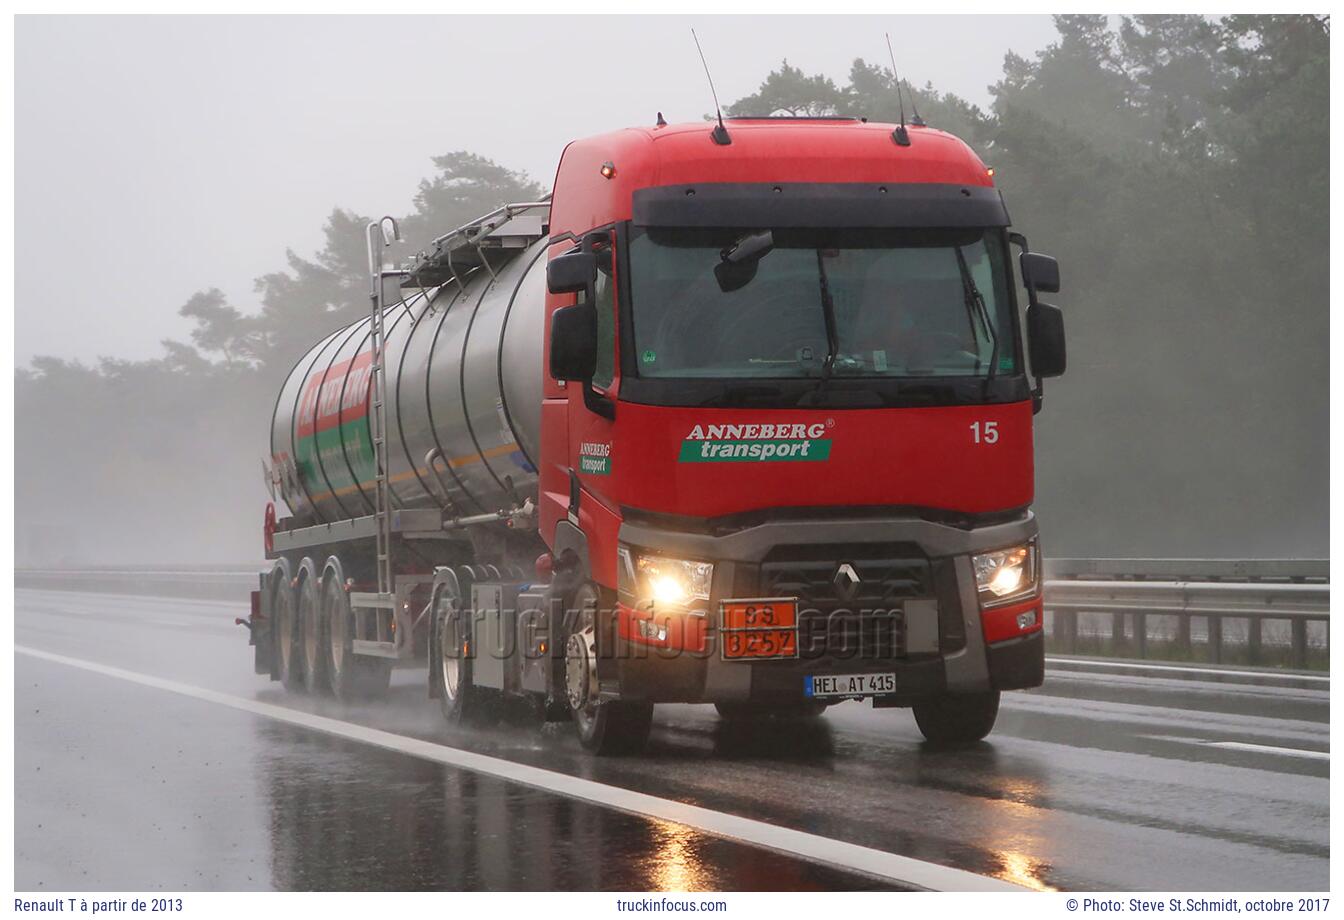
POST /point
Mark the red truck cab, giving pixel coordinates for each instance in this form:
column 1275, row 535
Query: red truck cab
column 787, row 430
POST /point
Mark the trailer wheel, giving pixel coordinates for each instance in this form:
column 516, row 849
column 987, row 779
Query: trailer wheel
column 352, row 677
column 604, row 727
column 312, row 635
column 783, row 712
column 451, row 655
column 288, row 663
column 957, row 719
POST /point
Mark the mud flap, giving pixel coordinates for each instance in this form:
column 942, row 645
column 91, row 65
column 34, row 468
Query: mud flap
column 260, row 629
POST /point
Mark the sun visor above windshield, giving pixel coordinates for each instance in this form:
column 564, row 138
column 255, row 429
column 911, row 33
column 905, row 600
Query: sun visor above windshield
column 838, row 204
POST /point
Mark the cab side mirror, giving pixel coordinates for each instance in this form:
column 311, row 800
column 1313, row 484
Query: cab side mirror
column 571, row 273
column 1045, row 339
column 574, row 341
column 1040, row 273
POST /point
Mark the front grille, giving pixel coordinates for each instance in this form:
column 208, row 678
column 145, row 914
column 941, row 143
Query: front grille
column 857, row 615
column 887, row 577
column 846, row 635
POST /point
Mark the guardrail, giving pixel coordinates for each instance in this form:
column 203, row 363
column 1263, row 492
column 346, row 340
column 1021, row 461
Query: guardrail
column 1255, row 610
column 203, row 582
column 1128, row 605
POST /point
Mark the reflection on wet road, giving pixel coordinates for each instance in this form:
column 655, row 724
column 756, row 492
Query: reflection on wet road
column 1099, row 780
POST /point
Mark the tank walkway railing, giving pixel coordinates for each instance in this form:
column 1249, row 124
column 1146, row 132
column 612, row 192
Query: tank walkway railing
column 499, row 234
column 1272, row 612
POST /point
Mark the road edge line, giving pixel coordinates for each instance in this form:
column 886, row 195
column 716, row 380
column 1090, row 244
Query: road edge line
column 904, row 870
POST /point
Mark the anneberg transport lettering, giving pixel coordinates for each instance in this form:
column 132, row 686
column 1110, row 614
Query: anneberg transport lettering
column 757, row 442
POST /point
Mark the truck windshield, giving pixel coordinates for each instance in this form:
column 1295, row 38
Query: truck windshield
column 905, row 303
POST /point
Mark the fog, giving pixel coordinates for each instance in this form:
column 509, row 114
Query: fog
column 1178, row 169
column 176, row 153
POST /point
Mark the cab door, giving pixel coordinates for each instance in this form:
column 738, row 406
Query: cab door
column 592, row 432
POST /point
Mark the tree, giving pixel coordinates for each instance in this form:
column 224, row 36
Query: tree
column 1176, row 71
column 465, row 187
column 872, row 94
column 789, row 91
column 221, row 329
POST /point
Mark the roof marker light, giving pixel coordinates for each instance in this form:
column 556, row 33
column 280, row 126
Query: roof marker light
column 609, row 170
column 989, row 171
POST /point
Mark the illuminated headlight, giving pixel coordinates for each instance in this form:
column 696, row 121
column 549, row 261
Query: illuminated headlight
column 663, row 581
column 1006, row 575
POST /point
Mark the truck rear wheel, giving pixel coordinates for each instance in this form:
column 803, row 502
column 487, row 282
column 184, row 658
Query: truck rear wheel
column 604, row 726
column 312, row 635
column 352, row 677
column 957, row 719
column 288, row 662
column 744, row 712
column 451, row 652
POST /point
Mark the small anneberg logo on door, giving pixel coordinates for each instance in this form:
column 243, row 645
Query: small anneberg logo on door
column 595, row 458
column 757, row 442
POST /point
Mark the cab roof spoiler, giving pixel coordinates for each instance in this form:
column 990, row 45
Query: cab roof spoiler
column 819, row 204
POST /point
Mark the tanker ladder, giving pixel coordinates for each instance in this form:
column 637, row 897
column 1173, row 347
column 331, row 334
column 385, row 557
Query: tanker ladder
column 381, row 233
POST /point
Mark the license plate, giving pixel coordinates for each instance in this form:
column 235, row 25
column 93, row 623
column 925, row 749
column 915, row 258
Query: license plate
column 759, row 628
column 849, row 684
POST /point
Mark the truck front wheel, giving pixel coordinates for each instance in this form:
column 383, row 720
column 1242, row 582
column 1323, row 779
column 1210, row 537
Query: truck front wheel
column 604, row 726
column 957, row 719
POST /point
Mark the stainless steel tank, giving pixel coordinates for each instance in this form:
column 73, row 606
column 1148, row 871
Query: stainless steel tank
column 464, row 376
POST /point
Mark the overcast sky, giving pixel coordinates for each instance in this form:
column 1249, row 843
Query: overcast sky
column 157, row 156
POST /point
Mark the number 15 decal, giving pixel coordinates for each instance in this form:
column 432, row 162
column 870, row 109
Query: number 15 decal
column 985, row 432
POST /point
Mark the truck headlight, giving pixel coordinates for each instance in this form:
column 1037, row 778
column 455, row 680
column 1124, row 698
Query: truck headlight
column 663, row 580
column 1006, row 575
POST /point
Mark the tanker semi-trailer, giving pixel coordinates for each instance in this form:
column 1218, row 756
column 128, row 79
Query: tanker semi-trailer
column 740, row 416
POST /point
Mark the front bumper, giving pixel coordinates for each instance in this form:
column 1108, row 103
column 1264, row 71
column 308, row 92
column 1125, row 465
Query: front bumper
column 918, row 564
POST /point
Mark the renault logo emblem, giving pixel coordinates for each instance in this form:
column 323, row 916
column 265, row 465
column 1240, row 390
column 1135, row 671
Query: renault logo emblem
column 846, row 581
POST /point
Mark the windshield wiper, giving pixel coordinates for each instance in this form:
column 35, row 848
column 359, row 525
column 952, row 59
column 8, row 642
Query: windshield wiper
column 975, row 309
column 828, row 309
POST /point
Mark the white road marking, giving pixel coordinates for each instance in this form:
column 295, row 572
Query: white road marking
column 1207, row 672
column 1269, row 749
column 903, row 870
column 1193, row 686
column 1246, row 746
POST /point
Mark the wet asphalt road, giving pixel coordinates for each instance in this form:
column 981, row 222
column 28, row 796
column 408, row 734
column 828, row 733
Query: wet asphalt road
column 1102, row 779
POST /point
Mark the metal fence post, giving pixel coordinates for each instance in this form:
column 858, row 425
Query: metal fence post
column 1183, row 631
column 1065, row 629
column 1253, row 640
column 1141, row 634
column 1215, row 639
column 1299, row 643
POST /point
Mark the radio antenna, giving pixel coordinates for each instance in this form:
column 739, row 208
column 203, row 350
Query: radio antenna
column 900, row 135
column 720, row 133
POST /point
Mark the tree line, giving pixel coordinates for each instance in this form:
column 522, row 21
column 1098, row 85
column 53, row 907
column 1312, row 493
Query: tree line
column 1178, row 166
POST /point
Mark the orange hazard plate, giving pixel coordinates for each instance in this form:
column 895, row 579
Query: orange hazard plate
column 759, row 628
